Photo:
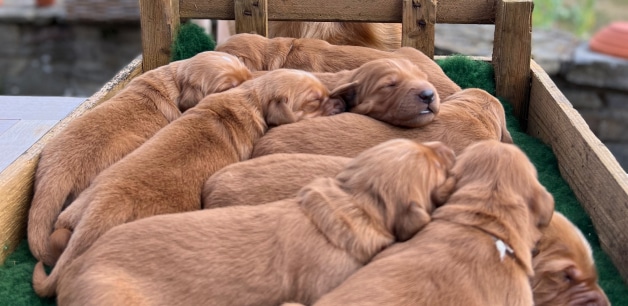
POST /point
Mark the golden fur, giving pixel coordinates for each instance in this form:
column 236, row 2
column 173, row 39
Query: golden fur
column 382, row 36
column 296, row 249
column 105, row 134
column 390, row 90
column 456, row 259
column 166, row 174
column 565, row 273
column 261, row 53
column 268, row 178
column 464, row 118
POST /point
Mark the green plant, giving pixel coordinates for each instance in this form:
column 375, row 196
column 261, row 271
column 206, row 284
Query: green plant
column 575, row 16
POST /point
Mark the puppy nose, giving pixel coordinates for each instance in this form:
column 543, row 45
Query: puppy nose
column 427, row 96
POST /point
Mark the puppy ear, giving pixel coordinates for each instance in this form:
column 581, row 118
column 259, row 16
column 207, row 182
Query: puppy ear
column 506, row 138
column 347, row 93
column 189, row 96
column 279, row 112
column 409, row 222
column 441, row 194
column 542, row 204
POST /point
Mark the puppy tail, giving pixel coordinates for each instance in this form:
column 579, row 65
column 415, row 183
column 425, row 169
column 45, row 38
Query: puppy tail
column 45, row 286
column 50, row 195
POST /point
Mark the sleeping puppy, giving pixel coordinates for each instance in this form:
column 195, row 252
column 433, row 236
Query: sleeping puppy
column 564, row 271
column 166, row 174
column 261, row 53
column 105, row 134
column 390, row 90
column 464, row 118
column 296, row 249
column 268, row 178
column 477, row 248
column 382, row 36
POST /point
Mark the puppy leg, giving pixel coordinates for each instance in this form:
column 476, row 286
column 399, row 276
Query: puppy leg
column 67, row 221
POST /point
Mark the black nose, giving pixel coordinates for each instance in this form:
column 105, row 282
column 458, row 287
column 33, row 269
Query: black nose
column 427, row 96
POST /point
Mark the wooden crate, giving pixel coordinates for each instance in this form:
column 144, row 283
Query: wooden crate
column 596, row 178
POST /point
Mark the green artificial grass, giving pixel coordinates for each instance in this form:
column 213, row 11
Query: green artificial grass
column 16, row 273
column 191, row 40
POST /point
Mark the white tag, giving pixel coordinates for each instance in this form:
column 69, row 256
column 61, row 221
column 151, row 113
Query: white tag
column 502, row 248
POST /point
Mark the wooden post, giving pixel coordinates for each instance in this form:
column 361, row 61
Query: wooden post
column 160, row 22
column 418, row 19
column 251, row 16
column 511, row 54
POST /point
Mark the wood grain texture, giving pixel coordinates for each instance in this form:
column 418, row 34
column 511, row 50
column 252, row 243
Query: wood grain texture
column 16, row 181
column 159, row 21
column 449, row 11
column 597, row 179
column 417, row 30
column 251, row 16
column 511, row 53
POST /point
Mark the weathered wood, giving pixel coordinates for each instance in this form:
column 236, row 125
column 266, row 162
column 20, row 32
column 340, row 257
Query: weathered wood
column 16, row 181
column 37, row 108
column 511, row 53
column 160, row 22
column 251, row 16
column 597, row 179
column 449, row 11
column 417, row 30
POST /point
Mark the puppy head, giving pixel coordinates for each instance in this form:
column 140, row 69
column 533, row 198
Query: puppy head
column 257, row 52
column 394, row 91
column 206, row 73
column 290, row 95
column 395, row 180
column 485, row 108
column 503, row 173
column 564, row 270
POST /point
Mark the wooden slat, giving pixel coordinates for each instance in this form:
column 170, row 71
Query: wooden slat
column 511, row 53
column 597, row 179
column 251, row 16
column 449, row 11
column 419, row 17
column 160, row 21
column 16, row 181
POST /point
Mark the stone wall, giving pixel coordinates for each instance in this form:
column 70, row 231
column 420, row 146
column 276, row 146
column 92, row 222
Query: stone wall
column 63, row 59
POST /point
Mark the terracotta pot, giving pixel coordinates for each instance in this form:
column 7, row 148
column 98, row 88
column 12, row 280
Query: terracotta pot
column 45, row 2
column 611, row 40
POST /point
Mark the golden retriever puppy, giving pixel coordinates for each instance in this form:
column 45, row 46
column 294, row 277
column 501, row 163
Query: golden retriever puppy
column 268, row 178
column 464, row 118
column 477, row 250
column 390, row 90
column 105, row 134
column 166, row 174
column 383, row 36
column 564, row 270
column 295, row 249
column 261, row 53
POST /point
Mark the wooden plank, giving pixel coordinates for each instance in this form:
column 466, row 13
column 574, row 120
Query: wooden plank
column 449, row 11
column 37, row 108
column 160, row 21
column 20, row 137
column 16, row 181
column 597, row 179
column 251, row 16
column 511, row 53
column 417, row 30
